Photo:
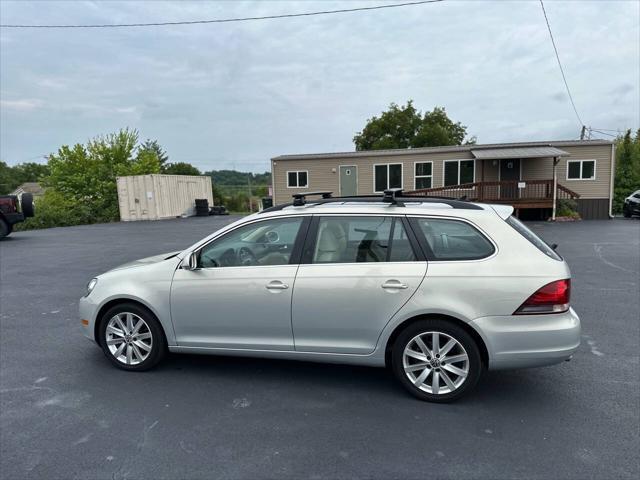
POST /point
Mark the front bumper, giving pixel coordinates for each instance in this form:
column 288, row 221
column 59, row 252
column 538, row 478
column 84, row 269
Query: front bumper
column 632, row 208
column 88, row 310
column 521, row 341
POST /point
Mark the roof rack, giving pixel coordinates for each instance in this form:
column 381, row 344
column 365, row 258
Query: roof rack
column 393, row 196
column 299, row 198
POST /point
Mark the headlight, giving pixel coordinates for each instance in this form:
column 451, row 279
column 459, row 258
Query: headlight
column 91, row 285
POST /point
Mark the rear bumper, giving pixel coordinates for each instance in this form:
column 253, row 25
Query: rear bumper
column 521, row 341
column 13, row 218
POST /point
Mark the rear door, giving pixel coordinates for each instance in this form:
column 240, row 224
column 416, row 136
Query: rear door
column 357, row 272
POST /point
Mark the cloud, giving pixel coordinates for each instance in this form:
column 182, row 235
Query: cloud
column 241, row 93
column 21, row 105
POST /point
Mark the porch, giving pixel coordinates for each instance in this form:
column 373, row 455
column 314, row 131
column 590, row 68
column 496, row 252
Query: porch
column 520, row 194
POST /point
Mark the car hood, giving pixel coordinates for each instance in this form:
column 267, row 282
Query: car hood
column 146, row 260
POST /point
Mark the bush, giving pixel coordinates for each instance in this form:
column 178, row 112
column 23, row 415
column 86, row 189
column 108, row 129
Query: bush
column 55, row 210
column 567, row 208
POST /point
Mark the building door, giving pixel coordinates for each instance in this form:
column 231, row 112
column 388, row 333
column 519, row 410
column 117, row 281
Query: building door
column 348, row 181
column 509, row 171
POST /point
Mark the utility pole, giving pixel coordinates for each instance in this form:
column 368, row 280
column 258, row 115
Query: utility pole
column 250, row 201
column 584, row 129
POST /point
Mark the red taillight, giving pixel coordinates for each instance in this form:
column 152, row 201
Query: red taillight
column 552, row 298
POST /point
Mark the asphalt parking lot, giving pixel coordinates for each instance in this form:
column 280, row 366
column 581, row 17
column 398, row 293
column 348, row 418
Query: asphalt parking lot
column 66, row 413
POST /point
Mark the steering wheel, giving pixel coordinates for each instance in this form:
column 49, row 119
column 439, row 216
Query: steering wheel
column 246, row 257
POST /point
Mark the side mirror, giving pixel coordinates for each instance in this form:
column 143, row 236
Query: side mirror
column 190, row 262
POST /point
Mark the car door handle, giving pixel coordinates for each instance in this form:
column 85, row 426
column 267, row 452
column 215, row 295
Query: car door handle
column 394, row 285
column 277, row 285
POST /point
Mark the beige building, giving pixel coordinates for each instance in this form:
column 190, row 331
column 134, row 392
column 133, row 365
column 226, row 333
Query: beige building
column 521, row 174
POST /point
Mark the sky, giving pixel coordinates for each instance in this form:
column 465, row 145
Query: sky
column 233, row 95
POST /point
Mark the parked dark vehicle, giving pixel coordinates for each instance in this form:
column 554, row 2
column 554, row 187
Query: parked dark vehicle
column 218, row 210
column 14, row 210
column 632, row 204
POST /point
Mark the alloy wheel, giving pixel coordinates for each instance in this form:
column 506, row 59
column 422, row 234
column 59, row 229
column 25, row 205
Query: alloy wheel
column 128, row 338
column 435, row 363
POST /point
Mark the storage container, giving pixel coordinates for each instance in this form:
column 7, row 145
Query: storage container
column 156, row 196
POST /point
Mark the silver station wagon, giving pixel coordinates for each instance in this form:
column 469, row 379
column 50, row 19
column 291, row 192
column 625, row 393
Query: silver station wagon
column 438, row 290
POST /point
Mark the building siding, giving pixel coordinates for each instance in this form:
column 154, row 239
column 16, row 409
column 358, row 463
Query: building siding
column 324, row 171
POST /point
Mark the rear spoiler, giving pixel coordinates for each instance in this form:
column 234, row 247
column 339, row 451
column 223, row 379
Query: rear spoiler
column 503, row 211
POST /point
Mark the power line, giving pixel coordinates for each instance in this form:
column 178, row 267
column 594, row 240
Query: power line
column 560, row 65
column 226, row 20
column 602, row 133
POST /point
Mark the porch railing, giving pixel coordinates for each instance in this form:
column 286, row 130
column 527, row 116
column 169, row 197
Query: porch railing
column 504, row 191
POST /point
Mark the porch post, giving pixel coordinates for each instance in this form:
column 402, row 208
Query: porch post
column 555, row 189
column 481, row 189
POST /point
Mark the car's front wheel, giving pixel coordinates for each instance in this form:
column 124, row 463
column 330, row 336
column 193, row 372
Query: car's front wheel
column 436, row 360
column 131, row 337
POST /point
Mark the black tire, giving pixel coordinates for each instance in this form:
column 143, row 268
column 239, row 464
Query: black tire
column 158, row 344
column 474, row 363
column 26, row 204
column 5, row 228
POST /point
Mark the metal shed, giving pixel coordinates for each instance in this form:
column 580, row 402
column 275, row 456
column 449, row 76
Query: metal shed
column 155, row 196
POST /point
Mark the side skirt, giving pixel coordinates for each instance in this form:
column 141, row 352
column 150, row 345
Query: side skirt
column 373, row 360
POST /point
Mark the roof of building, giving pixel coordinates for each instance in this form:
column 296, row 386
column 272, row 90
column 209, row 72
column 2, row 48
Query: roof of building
column 443, row 149
column 29, row 187
column 518, row 152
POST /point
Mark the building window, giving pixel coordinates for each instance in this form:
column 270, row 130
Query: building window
column 457, row 172
column 387, row 176
column 298, row 179
column 581, row 170
column 423, row 175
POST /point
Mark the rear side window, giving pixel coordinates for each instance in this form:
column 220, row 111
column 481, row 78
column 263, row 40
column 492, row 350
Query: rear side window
column 361, row 239
column 453, row 239
column 540, row 244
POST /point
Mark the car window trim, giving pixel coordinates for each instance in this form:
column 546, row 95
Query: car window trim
column 422, row 240
column 312, row 238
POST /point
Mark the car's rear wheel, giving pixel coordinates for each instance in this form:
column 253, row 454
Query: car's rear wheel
column 436, row 360
column 131, row 337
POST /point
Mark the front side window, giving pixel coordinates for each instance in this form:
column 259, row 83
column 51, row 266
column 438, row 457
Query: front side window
column 262, row 243
column 454, row 239
column 362, row 239
column 423, row 175
column 457, row 172
column 387, row 176
column 581, row 170
column 298, row 179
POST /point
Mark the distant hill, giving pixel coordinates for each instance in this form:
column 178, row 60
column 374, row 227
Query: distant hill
column 222, row 178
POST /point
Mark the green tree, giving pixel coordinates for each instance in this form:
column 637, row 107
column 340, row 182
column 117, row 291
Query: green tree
column 405, row 127
column 180, row 168
column 627, row 177
column 12, row 177
column 154, row 147
column 86, row 174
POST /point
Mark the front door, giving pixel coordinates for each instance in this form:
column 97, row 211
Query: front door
column 239, row 297
column 357, row 272
column 348, row 181
column 509, row 171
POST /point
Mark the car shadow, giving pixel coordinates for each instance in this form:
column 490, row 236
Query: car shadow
column 498, row 388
